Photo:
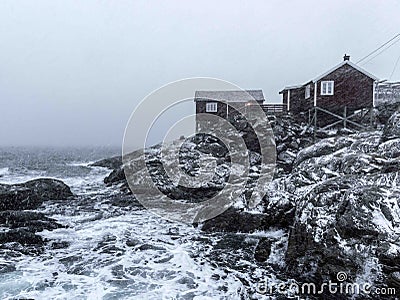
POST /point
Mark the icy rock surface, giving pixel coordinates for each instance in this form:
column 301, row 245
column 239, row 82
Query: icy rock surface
column 347, row 208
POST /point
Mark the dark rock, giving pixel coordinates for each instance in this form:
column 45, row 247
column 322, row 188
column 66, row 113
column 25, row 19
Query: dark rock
column 391, row 167
column 233, row 220
column 125, row 200
column 132, row 242
column 145, row 247
column 279, row 209
column 263, row 250
column 49, row 188
column 24, row 224
column 31, row 194
column 21, row 236
column 116, row 176
column 110, row 163
column 290, row 137
column 29, row 220
column 59, row 244
column 191, row 194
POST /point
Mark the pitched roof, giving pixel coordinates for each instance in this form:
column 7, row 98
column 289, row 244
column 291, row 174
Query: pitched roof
column 328, row 72
column 230, row 96
column 342, row 64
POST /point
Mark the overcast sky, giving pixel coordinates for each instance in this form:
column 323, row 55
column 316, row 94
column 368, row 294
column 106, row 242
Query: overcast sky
column 71, row 72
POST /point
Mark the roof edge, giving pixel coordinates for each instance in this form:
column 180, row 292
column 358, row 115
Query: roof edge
column 291, row 87
column 199, row 97
column 358, row 68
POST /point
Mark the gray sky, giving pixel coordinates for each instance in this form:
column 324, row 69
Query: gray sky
column 71, row 72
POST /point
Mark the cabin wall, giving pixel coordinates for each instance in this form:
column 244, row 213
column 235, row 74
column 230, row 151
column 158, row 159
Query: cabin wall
column 297, row 100
column 201, row 108
column 221, row 108
column 298, row 103
column 351, row 88
column 285, row 98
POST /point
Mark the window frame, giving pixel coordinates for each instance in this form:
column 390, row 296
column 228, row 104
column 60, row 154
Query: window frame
column 327, row 83
column 212, row 107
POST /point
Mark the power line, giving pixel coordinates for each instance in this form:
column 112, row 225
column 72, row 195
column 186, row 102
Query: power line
column 381, row 51
column 395, row 66
column 380, row 47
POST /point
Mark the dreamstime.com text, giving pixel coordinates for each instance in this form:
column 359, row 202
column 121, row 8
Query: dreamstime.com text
column 342, row 287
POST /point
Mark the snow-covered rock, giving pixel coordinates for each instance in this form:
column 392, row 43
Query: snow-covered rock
column 347, row 207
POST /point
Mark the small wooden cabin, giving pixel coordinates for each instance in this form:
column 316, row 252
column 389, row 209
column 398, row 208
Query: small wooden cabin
column 221, row 103
column 345, row 85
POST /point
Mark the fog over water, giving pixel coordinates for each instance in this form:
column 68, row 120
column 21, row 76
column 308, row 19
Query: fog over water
column 71, row 73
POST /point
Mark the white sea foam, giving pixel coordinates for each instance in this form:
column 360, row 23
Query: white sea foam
column 121, row 257
column 10, row 178
column 80, row 163
column 91, row 183
column 120, row 253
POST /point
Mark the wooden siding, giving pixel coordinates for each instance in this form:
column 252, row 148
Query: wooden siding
column 285, row 98
column 221, row 108
column 351, row 88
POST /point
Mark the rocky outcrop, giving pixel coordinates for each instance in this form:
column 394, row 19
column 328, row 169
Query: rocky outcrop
column 19, row 223
column 347, row 208
column 263, row 249
column 28, row 220
column 110, row 163
column 290, row 138
column 233, row 220
column 20, row 236
column 339, row 204
column 31, row 194
column 115, row 177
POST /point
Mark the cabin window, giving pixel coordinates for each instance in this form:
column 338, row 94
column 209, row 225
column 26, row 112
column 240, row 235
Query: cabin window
column 327, row 87
column 308, row 91
column 211, row 107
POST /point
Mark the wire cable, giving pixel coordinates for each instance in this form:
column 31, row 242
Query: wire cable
column 394, row 68
column 380, row 47
column 381, row 52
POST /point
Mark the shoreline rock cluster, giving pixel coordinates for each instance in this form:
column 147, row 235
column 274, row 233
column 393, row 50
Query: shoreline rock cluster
column 19, row 222
column 336, row 197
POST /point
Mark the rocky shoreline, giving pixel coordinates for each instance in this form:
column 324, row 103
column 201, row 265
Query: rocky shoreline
column 336, row 200
column 336, row 197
